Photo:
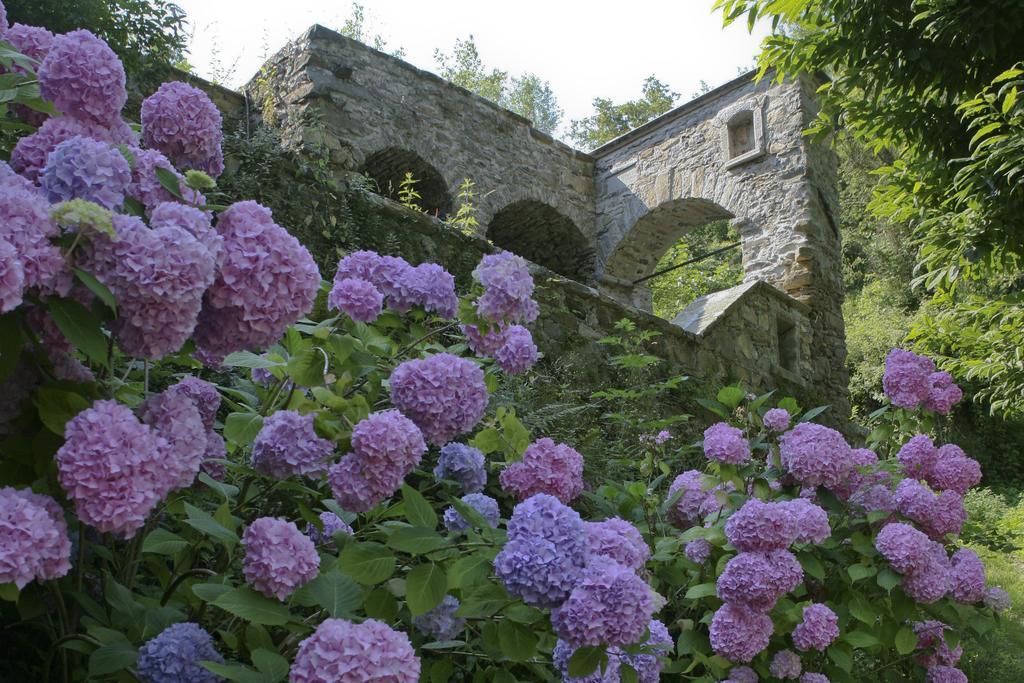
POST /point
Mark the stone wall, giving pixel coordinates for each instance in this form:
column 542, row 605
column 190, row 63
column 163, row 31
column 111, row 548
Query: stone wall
column 382, row 116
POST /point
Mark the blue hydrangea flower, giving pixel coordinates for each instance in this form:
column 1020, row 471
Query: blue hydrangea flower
column 485, row 505
column 174, row 656
column 463, row 464
column 441, row 623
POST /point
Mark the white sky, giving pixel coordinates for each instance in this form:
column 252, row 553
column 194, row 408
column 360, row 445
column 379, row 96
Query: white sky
column 584, row 48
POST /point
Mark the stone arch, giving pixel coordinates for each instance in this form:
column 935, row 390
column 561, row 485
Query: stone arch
column 387, row 169
column 540, row 233
column 647, row 240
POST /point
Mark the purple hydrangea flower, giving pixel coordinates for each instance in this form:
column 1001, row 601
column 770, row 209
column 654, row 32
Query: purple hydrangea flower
column 508, row 288
column 618, row 539
column 518, row 353
column 175, row 654
column 943, row 394
column 388, row 276
column 30, row 153
column 266, row 282
column 918, row 456
column 12, row 277
column 945, row 674
column 485, row 505
column 332, row 524
column 563, row 652
column 903, row 546
column 340, row 651
column 758, row 579
column 443, row 394
column 429, row 286
column 725, row 443
column 811, row 521
column 158, row 278
column 762, row 526
column 25, row 225
column 216, row 450
column 777, row 419
column 34, row 540
column 112, row 467
column 818, row 629
column 739, row 633
column 34, row 42
column 937, row 652
column 82, row 168
column 358, row 299
column 953, row 470
column 687, row 509
column 464, row 464
column 287, row 446
column 932, row 579
column 907, row 378
column 661, row 437
column 862, row 473
column 173, row 416
column 938, row 514
column 484, row 344
column 350, row 485
column 440, row 623
column 785, row 664
column 814, row 678
column 147, row 189
column 968, row 576
column 203, row 394
column 546, row 551
column 610, row 604
column 360, row 265
column 996, row 599
column 83, row 77
column 815, row 454
column 546, row 467
column 698, row 550
column 648, row 666
column 742, row 674
column 278, row 557
column 182, row 122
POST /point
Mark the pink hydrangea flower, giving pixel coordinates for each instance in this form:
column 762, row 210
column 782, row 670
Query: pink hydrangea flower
column 903, row 546
column 725, row 443
column 820, row 626
column 182, row 122
column 815, row 454
column 175, row 417
column 618, row 539
column 610, row 605
column 739, row 633
column 546, row 467
column 340, row 651
column 443, row 394
column 777, row 419
column 83, row 77
column 359, row 265
column 288, row 446
column 358, row 299
column 279, row 558
column 34, row 540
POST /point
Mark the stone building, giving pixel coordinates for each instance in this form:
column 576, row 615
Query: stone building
column 602, row 220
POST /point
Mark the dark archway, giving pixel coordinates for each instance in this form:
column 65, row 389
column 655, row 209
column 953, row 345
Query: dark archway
column 387, row 169
column 540, row 233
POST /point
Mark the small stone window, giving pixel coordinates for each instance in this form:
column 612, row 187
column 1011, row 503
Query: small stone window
column 788, row 345
column 742, row 133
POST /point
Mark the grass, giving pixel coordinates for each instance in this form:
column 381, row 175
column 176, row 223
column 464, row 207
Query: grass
column 998, row 656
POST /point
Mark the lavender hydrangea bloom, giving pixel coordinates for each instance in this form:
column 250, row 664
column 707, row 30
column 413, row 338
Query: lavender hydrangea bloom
column 932, row 579
column 811, row 521
column 907, row 378
column 341, row 651
column 648, row 666
column 351, row 487
column 443, row 394
column 618, row 539
column 661, row 437
column 175, row 418
column 943, row 394
column 742, row 674
column 968, row 576
column 34, row 540
column 112, row 467
column 777, row 419
column 26, row 225
column 918, row 456
column 360, row 265
column 762, row 526
column 996, row 599
column 508, row 288
column 484, row 344
column 687, row 508
column 546, row 467
column 757, row 579
column 441, row 623
column 216, row 450
column 739, row 633
column 953, row 470
column 815, row 454
column 83, row 77
column 610, row 604
column 12, row 278
column 332, row 524
column 820, row 626
column 938, row 514
column 266, row 282
column 278, row 557
column 464, row 464
column 485, row 505
column 698, row 550
column 725, row 443
column 203, row 394
column 34, row 42
column 182, row 122
column 287, row 446
column 358, row 299
column 175, row 654
column 903, row 546
column 785, row 664
column 146, row 187
column 81, row 168
column 518, row 353
column 388, row 276
column 935, row 650
column 427, row 285
column 945, row 674
column 158, row 278
column 814, row 678
column 30, row 153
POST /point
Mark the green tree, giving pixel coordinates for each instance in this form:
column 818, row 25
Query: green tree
column 527, row 95
column 674, row 290
column 611, row 120
column 934, row 84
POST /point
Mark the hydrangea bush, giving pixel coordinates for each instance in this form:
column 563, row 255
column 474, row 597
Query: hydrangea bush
column 202, row 482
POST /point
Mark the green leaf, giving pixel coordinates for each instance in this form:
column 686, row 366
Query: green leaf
column 415, row 540
column 160, row 541
column 703, row 590
column 841, row 657
column 242, row 428
column 56, row 406
column 368, row 563
column 170, row 182
column 715, row 407
column 9, row 592
column 335, row 592
column 234, row 672
column 518, row 643
column 97, row 288
column 516, row 434
column 858, row 572
column 11, row 342
column 270, row 663
column 208, row 592
column 226, row 490
column 861, row 609
column 790, row 405
column 888, row 579
column 306, row 367
column 245, row 603
column 205, row 523
column 627, row 674
column 731, row 397
column 906, row 640
column 813, row 413
column 425, row 588
column 81, row 327
column 469, row 570
column 417, row 510
column 487, row 440
column 248, row 359
column 586, row 660
column 812, row 565
column 860, row 639
column 112, row 658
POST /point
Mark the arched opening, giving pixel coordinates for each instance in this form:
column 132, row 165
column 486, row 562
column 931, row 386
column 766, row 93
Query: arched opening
column 640, row 252
column 541, row 234
column 388, row 168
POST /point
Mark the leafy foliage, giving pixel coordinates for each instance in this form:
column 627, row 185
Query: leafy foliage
column 611, row 120
column 673, row 291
